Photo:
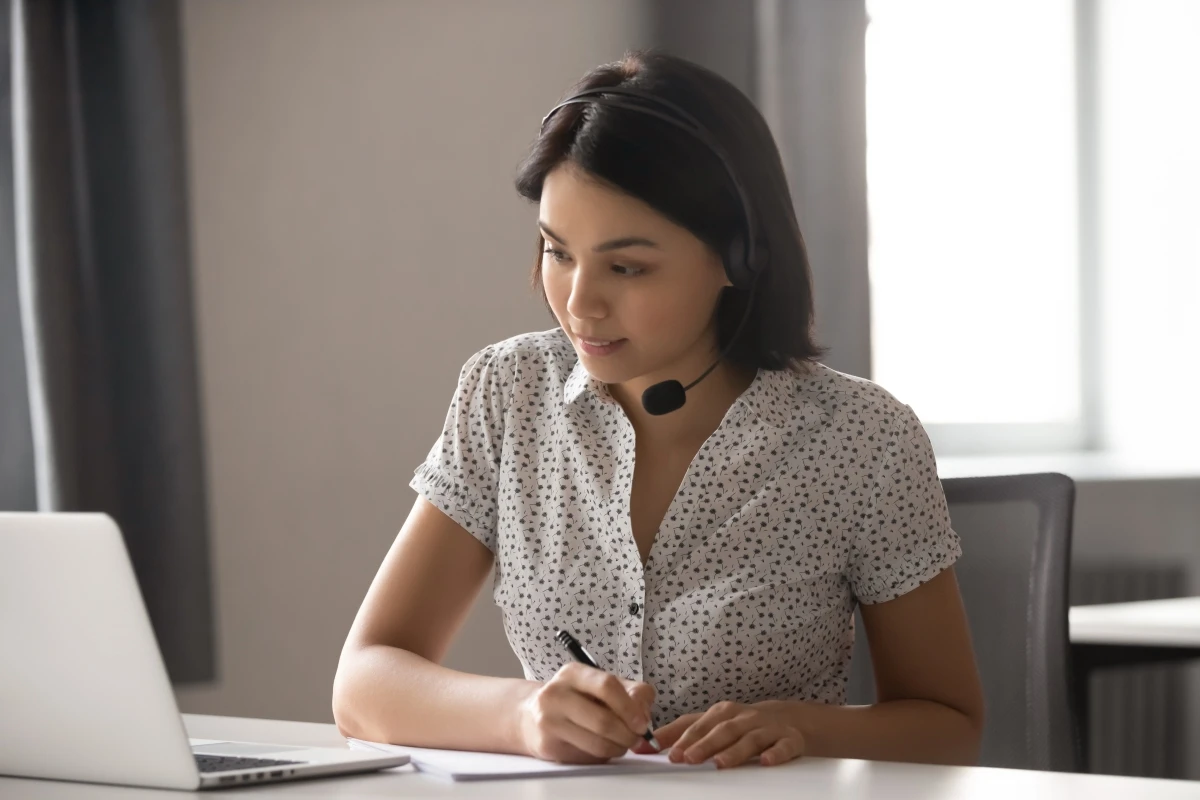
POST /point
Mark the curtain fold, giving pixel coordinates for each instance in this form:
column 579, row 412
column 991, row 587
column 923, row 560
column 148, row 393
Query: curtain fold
column 803, row 63
column 103, row 266
column 17, row 490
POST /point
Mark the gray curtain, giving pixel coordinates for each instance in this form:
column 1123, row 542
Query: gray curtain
column 16, row 443
column 100, row 403
column 803, row 62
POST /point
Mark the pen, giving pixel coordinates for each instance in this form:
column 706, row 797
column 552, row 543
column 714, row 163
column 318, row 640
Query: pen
column 583, row 657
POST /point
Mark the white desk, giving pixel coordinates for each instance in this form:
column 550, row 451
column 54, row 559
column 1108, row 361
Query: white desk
column 827, row 779
column 1149, row 623
column 1128, row 634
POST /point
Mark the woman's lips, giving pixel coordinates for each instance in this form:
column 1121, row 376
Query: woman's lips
column 600, row 347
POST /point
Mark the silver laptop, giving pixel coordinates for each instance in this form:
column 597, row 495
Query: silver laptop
column 84, row 695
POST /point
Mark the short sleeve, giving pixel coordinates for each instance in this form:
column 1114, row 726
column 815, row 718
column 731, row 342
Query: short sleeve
column 462, row 471
column 906, row 539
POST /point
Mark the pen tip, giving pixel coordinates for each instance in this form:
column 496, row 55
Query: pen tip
column 654, row 743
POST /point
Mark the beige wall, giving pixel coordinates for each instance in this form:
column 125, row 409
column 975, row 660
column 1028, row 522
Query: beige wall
column 357, row 237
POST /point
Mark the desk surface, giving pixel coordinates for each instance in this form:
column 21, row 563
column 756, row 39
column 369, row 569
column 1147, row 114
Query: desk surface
column 1151, row 623
column 815, row 778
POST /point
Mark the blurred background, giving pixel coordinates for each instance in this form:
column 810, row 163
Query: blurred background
column 245, row 247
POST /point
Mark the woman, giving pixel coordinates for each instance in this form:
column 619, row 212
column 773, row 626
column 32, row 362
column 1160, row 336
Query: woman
column 707, row 547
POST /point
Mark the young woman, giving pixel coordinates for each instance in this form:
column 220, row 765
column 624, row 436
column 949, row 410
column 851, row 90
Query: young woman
column 709, row 547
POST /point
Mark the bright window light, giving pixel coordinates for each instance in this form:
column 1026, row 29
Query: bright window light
column 1149, row 144
column 972, row 190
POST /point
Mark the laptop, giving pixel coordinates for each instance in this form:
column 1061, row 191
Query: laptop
column 84, row 695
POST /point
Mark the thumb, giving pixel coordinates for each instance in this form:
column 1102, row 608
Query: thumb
column 642, row 693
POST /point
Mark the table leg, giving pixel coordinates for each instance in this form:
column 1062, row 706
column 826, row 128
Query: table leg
column 1087, row 658
column 1081, row 677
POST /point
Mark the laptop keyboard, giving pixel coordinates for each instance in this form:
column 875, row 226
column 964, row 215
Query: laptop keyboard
column 226, row 763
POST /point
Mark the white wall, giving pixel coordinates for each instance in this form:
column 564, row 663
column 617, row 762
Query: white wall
column 357, row 237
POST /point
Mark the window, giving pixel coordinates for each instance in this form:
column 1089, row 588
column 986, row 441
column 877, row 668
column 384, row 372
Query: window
column 973, row 180
column 1149, row 224
column 1032, row 173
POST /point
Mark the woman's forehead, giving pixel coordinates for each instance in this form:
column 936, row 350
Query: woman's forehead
column 582, row 211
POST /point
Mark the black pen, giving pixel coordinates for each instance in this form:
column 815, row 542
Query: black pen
column 583, row 657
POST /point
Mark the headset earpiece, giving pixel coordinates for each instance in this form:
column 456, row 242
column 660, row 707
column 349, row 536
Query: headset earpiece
column 738, row 271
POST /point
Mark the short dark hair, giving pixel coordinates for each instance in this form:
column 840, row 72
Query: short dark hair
column 681, row 178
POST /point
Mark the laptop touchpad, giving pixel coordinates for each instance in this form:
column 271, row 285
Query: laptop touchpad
column 241, row 749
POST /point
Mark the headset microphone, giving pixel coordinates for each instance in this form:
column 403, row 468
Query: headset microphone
column 667, row 396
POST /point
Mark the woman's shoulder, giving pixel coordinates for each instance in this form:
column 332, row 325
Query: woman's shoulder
column 534, row 362
column 541, row 346
column 821, row 395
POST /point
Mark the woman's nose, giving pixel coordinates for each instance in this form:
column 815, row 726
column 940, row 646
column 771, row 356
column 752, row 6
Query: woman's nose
column 586, row 300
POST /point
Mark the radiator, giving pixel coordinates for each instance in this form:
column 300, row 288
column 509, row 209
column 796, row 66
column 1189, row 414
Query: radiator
column 1137, row 724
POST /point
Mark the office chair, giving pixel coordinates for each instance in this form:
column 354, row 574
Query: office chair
column 1013, row 575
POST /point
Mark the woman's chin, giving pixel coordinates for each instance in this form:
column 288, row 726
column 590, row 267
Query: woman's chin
column 602, row 371
column 617, row 370
column 606, row 370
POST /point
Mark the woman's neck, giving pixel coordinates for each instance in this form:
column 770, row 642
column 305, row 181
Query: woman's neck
column 707, row 404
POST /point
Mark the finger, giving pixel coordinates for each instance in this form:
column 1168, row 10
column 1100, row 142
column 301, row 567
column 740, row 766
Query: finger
column 642, row 693
column 717, row 738
column 786, row 749
column 585, row 712
column 560, row 752
column 753, row 743
column 609, row 690
column 589, row 742
column 643, row 748
column 701, row 727
column 667, row 735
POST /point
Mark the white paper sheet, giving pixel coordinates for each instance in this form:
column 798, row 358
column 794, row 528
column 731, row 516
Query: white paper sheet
column 464, row 765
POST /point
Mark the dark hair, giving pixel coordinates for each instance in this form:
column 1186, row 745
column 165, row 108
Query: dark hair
column 681, row 178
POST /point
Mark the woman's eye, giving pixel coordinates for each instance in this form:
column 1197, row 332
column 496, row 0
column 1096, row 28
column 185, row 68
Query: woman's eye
column 629, row 271
column 558, row 255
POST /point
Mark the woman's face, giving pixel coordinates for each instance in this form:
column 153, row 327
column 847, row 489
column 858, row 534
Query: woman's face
column 636, row 293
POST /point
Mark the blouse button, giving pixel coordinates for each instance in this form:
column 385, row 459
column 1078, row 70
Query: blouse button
column 634, row 608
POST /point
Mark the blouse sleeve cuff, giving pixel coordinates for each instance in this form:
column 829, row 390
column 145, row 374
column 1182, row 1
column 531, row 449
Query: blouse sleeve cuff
column 475, row 515
column 905, row 577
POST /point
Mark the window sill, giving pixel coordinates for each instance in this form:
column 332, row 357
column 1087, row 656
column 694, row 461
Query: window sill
column 1088, row 466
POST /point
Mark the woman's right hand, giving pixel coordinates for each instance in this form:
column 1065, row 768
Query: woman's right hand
column 584, row 716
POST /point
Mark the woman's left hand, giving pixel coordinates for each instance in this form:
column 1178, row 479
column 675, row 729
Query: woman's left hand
column 731, row 734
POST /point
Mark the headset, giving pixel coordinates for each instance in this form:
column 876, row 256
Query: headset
column 746, row 257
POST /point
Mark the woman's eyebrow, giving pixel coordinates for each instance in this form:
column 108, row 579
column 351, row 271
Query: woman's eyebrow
column 612, row 244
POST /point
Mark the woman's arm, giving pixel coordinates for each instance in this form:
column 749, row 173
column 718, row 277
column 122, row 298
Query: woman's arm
column 389, row 685
column 929, row 703
column 929, row 709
